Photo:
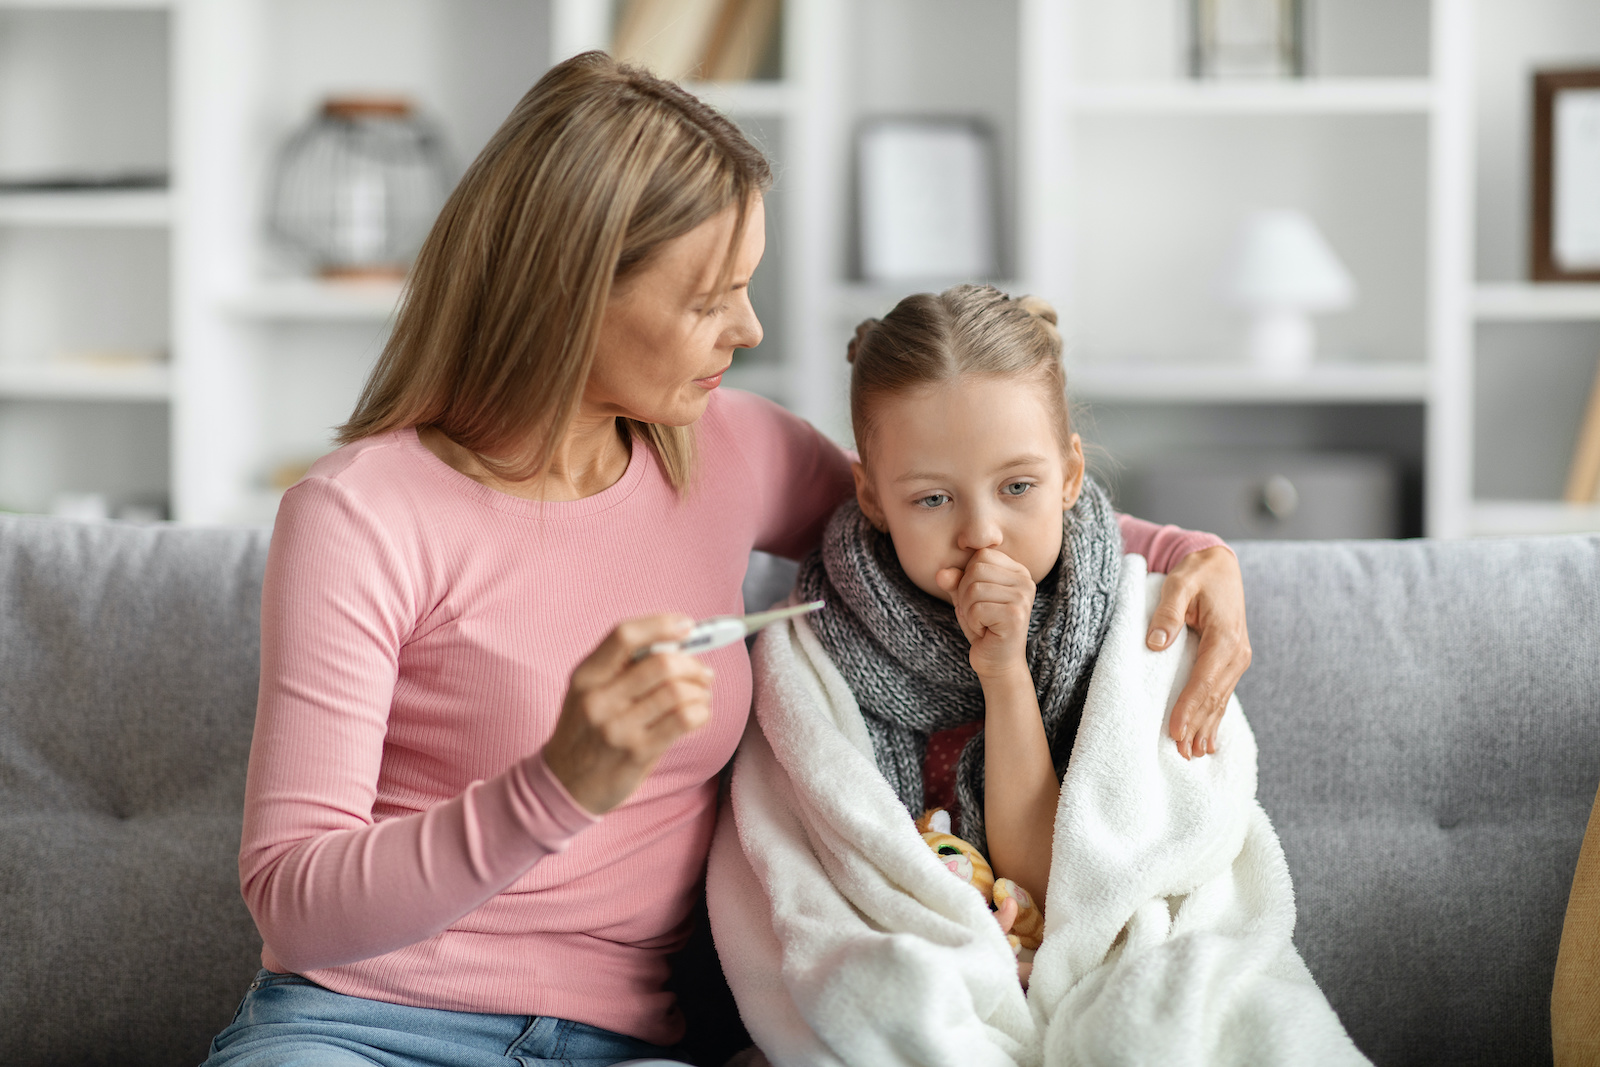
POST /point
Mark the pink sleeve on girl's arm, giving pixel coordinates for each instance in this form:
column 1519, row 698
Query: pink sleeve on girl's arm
column 326, row 884
column 1162, row 546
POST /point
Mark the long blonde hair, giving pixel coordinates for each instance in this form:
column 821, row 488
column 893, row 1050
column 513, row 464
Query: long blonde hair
column 931, row 338
column 596, row 168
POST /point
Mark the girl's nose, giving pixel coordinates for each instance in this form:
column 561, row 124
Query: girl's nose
column 980, row 528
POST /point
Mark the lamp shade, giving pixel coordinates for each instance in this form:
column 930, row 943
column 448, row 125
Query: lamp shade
column 1283, row 262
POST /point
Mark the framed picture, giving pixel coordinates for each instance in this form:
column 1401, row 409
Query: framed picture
column 926, row 204
column 1247, row 38
column 1566, row 176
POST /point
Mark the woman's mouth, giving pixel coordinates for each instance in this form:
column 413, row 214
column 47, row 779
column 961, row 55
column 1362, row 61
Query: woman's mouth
column 711, row 382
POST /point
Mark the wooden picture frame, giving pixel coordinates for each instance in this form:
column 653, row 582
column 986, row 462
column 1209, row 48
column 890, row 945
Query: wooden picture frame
column 1565, row 235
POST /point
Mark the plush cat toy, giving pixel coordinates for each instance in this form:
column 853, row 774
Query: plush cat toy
column 968, row 864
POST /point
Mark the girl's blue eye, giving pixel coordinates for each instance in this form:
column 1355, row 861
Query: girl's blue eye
column 1018, row 488
column 933, row 500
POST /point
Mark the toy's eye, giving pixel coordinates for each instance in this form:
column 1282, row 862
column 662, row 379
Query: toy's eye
column 948, row 850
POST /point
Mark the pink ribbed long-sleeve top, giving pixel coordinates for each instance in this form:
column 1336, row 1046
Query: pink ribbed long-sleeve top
column 403, row 838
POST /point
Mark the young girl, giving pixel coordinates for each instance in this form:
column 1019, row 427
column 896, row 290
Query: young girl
column 971, row 495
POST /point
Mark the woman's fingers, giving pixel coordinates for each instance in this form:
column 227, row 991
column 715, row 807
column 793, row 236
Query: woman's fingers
column 1223, row 656
column 1168, row 621
column 661, row 716
column 1204, row 591
column 622, row 712
column 639, row 707
column 616, row 653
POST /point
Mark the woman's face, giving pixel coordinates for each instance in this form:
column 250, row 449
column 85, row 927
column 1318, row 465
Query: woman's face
column 666, row 337
column 968, row 464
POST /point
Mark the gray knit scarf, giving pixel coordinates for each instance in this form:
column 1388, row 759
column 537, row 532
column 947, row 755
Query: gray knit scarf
column 906, row 660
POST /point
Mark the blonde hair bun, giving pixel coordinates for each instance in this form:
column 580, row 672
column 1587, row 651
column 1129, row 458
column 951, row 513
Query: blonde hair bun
column 863, row 331
column 1039, row 308
column 1043, row 310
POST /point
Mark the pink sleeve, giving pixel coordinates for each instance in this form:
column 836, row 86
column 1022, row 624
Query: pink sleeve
column 1162, row 546
column 326, row 884
column 799, row 475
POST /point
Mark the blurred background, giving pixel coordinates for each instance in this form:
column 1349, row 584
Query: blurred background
column 1325, row 268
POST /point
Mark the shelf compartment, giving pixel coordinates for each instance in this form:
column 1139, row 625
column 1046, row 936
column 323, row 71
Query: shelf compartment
column 1344, row 96
column 1532, row 518
column 1527, row 302
column 85, row 5
column 755, row 99
column 314, row 301
column 142, row 208
column 1328, row 383
column 51, row 381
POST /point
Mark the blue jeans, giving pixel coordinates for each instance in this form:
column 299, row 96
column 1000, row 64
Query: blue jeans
column 289, row 1021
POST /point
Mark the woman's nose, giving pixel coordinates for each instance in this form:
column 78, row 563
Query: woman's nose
column 746, row 328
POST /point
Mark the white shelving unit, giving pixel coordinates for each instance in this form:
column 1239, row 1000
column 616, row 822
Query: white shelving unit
column 86, row 394
column 46, row 382
column 277, row 357
column 1121, row 182
column 305, row 300
column 280, row 358
column 1135, row 179
column 1530, row 350
column 1334, row 96
column 1327, row 383
column 1528, row 302
column 139, row 209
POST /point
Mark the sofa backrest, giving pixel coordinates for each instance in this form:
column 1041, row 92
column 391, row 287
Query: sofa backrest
column 1428, row 715
column 128, row 666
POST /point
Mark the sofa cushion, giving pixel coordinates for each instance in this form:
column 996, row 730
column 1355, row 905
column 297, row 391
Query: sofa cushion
column 1428, row 715
column 128, row 666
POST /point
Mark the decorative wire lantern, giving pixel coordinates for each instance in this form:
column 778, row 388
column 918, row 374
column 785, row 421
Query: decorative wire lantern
column 357, row 187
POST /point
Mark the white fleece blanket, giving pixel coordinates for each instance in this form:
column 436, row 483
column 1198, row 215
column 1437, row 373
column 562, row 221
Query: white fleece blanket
column 1170, row 909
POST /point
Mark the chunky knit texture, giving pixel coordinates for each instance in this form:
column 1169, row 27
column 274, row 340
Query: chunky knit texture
column 906, row 660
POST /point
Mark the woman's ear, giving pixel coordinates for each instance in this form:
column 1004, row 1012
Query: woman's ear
column 1074, row 480
column 867, row 497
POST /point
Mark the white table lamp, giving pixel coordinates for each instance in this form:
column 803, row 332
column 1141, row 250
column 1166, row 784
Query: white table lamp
column 1283, row 271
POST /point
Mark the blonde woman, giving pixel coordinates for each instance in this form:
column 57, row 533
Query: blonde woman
column 476, row 822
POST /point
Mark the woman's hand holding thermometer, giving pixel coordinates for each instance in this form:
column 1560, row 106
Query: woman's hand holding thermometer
column 634, row 695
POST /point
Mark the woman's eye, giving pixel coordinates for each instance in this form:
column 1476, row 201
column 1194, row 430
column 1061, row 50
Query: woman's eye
column 933, row 500
column 1018, row 488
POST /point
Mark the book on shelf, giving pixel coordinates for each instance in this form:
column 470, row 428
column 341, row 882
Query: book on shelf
column 744, row 35
column 1583, row 477
column 704, row 40
column 84, row 182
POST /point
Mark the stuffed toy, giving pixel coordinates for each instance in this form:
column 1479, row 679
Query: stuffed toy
column 968, row 864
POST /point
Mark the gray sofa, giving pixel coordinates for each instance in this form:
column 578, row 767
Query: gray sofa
column 1428, row 717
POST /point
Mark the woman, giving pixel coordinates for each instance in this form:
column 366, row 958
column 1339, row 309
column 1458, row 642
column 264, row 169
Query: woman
column 448, row 704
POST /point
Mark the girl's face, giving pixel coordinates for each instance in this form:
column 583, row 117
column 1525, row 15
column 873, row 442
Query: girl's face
column 964, row 465
column 666, row 337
